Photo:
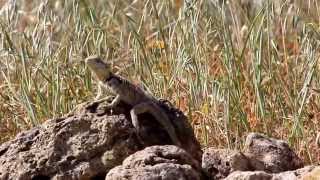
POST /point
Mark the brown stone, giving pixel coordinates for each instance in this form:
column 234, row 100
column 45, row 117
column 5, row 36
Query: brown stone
column 249, row 175
column 158, row 162
column 270, row 155
column 219, row 163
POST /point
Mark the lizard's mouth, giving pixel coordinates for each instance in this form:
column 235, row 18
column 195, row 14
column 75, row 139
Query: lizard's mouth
column 98, row 67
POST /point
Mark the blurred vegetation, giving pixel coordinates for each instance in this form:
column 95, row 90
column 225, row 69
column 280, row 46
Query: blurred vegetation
column 232, row 66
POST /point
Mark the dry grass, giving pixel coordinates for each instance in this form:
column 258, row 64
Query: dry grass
column 231, row 68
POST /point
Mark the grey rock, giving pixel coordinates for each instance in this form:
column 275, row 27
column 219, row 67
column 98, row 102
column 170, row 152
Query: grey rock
column 263, row 158
column 68, row 147
column 219, row 163
column 270, row 155
column 309, row 173
column 293, row 175
column 157, row 162
column 306, row 173
column 249, row 175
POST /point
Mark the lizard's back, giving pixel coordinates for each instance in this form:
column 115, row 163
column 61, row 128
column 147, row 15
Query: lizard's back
column 129, row 93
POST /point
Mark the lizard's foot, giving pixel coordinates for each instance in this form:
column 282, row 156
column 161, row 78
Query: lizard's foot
column 95, row 103
column 109, row 99
column 89, row 104
column 100, row 100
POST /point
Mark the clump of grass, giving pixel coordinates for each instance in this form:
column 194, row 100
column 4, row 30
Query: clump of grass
column 233, row 68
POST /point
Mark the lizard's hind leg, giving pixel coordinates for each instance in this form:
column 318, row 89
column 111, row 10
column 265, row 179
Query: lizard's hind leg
column 158, row 114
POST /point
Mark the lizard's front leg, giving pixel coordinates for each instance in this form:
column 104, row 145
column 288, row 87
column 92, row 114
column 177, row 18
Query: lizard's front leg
column 99, row 93
column 158, row 114
column 114, row 102
column 94, row 102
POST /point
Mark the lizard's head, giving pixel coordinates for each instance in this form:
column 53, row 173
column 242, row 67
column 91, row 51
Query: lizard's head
column 98, row 67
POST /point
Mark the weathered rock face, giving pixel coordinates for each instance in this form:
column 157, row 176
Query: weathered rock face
column 68, row 148
column 249, row 175
column 270, row 155
column 312, row 174
column 158, row 162
column 294, row 175
column 287, row 175
column 219, row 163
column 72, row 147
column 262, row 158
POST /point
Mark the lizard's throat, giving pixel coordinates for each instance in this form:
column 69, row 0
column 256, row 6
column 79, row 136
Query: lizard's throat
column 108, row 78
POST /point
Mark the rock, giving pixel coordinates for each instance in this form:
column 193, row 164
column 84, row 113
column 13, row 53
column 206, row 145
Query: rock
column 219, row 163
column 293, row 175
column 157, row 162
column 313, row 175
column 249, row 175
column 263, row 158
column 69, row 147
column 270, row 155
column 298, row 174
column 72, row 147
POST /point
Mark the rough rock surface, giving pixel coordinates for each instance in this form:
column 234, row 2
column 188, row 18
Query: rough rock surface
column 158, row 162
column 313, row 174
column 293, row 175
column 72, row 147
column 262, row 155
column 249, row 175
column 287, row 175
column 270, row 155
column 219, row 163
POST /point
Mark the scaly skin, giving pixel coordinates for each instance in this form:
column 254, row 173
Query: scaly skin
column 132, row 95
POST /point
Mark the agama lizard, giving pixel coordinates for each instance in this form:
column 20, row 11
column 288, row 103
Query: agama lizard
column 131, row 94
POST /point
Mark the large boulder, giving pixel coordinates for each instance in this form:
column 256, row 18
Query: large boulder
column 158, row 162
column 306, row 173
column 313, row 174
column 70, row 147
column 249, row 175
column 219, row 163
column 86, row 143
column 270, row 155
column 294, row 175
column 263, row 158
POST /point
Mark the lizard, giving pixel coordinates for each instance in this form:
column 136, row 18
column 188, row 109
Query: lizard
column 133, row 95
